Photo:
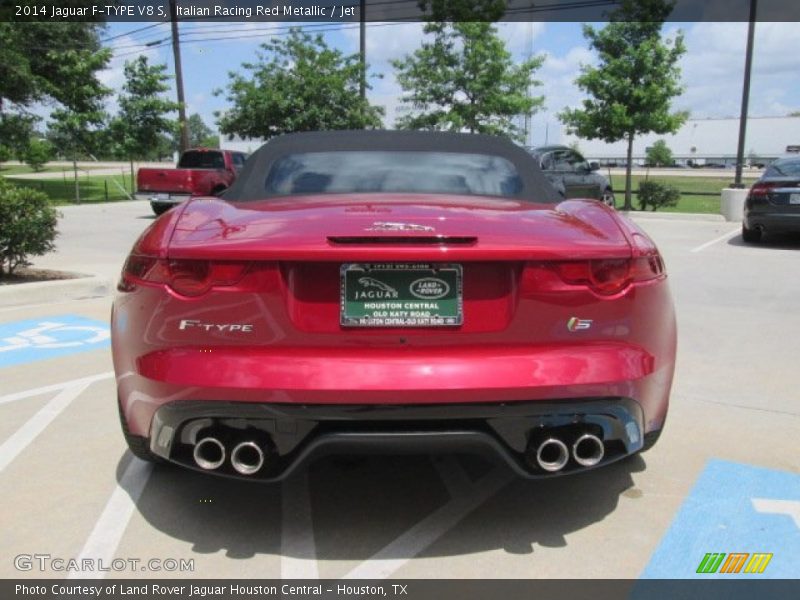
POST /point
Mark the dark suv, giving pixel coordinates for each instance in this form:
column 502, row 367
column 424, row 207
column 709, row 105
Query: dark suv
column 571, row 175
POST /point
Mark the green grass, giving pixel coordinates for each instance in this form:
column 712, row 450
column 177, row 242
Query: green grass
column 98, row 188
column 691, row 201
column 7, row 170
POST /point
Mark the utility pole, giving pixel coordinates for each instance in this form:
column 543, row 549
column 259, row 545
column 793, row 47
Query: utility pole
column 528, row 116
column 176, row 51
column 748, row 63
column 362, row 86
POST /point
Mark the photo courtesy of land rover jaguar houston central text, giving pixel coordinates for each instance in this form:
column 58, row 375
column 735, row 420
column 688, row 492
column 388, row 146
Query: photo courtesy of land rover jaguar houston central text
column 391, row 292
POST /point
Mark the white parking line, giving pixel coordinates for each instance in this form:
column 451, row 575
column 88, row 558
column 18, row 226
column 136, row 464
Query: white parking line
column 21, row 438
column 102, row 543
column 427, row 531
column 721, row 238
column 54, row 387
column 298, row 551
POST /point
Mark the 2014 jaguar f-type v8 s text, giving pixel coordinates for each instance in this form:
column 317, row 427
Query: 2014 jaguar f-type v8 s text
column 385, row 292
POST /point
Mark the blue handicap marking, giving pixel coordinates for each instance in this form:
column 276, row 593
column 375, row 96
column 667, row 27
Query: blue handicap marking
column 49, row 337
column 734, row 508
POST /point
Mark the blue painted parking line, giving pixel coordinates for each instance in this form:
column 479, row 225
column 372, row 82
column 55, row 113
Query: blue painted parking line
column 741, row 512
column 38, row 339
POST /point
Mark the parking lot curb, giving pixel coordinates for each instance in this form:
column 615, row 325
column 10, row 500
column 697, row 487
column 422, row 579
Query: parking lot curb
column 636, row 214
column 43, row 292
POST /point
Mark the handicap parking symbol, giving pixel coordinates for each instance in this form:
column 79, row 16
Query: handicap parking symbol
column 39, row 339
column 738, row 522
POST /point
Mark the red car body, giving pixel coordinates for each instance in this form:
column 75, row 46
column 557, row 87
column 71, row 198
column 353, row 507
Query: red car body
column 227, row 328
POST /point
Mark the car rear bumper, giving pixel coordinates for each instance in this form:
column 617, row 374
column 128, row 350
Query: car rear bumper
column 292, row 435
column 773, row 220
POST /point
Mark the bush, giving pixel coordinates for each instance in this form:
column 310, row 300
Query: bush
column 38, row 154
column 27, row 226
column 5, row 153
column 657, row 195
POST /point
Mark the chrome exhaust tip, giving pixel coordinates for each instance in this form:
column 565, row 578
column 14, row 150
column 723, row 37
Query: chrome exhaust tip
column 588, row 450
column 247, row 458
column 209, row 453
column 552, row 455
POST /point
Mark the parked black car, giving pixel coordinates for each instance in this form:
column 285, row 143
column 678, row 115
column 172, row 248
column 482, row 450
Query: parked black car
column 773, row 204
column 572, row 175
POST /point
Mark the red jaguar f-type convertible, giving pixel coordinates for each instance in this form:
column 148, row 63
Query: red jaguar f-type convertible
column 383, row 292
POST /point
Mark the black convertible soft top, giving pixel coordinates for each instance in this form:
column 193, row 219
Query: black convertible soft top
column 250, row 184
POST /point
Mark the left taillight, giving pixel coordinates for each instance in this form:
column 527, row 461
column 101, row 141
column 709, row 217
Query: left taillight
column 185, row 277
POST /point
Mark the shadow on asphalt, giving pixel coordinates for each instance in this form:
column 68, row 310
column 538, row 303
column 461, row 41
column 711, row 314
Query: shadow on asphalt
column 360, row 505
column 775, row 241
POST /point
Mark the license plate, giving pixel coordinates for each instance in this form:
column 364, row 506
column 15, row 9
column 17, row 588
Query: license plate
column 794, row 198
column 401, row 295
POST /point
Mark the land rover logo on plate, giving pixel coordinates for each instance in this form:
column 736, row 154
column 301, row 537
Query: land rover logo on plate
column 429, row 288
column 401, row 295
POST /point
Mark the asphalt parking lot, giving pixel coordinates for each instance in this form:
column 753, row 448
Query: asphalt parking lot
column 725, row 476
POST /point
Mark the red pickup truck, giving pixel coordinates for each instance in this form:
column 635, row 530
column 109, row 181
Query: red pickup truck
column 200, row 172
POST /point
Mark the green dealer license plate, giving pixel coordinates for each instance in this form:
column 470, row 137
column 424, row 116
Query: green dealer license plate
column 401, row 295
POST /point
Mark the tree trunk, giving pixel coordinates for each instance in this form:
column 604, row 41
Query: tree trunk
column 77, row 185
column 628, row 205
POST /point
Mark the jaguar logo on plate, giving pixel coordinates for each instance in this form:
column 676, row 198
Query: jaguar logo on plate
column 429, row 288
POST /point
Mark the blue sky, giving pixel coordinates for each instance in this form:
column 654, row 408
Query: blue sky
column 712, row 67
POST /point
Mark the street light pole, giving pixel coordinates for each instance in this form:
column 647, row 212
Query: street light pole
column 176, row 51
column 748, row 63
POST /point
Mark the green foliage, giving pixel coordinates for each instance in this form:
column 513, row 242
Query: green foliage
column 75, row 122
column 5, row 153
column 27, row 226
column 38, row 64
column 631, row 89
column 199, row 132
column 465, row 79
column 297, row 83
column 659, row 155
column 143, row 109
column 655, row 195
column 38, row 154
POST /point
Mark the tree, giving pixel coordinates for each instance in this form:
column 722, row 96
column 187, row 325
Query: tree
column 38, row 154
column 659, row 155
column 36, row 62
column 200, row 134
column 465, row 79
column 75, row 123
column 631, row 89
column 143, row 110
column 297, row 83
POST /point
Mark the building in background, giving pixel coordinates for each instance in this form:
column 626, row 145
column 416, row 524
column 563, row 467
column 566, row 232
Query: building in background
column 705, row 142
column 238, row 144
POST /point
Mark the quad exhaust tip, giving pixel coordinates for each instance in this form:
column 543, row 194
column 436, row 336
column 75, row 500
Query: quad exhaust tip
column 588, row 450
column 209, row 453
column 247, row 458
column 552, row 455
